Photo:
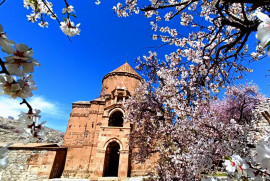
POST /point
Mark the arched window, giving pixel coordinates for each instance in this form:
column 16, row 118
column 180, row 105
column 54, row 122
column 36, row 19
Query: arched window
column 116, row 119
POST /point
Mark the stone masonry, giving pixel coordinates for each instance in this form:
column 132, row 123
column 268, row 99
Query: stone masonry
column 96, row 142
column 97, row 137
column 33, row 162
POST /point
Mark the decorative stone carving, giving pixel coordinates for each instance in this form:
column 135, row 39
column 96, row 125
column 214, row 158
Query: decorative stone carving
column 79, row 114
column 95, row 112
column 114, row 106
column 86, row 114
column 81, row 106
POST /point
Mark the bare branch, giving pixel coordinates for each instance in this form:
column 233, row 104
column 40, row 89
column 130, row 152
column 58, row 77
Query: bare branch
column 2, row 2
column 4, row 69
column 30, row 111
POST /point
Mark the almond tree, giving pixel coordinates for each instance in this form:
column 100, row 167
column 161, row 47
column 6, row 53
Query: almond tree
column 190, row 139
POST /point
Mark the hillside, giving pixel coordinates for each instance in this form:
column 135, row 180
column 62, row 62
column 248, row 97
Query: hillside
column 12, row 130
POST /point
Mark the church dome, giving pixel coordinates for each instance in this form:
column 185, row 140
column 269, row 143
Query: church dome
column 124, row 77
column 124, row 69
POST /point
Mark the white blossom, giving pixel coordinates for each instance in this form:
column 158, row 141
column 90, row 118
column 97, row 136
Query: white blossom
column 68, row 9
column 39, row 8
column 263, row 33
column 3, row 38
column 236, row 162
column 43, row 24
column 22, row 88
column 19, row 61
column 8, row 85
column 97, row 2
column 34, row 131
column 69, row 29
column 33, row 17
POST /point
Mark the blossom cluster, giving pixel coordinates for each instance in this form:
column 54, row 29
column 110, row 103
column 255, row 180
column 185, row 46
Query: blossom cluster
column 256, row 166
column 41, row 9
column 209, row 11
column 34, row 131
column 69, row 28
column 16, row 81
column 263, row 33
column 16, row 78
column 224, row 35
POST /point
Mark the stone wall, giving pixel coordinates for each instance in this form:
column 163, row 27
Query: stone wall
column 263, row 109
column 261, row 123
column 33, row 164
column 17, row 169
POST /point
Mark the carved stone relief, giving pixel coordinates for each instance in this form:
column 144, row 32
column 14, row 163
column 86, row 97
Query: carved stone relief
column 81, row 106
column 85, row 114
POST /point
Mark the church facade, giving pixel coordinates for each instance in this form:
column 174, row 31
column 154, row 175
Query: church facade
column 97, row 136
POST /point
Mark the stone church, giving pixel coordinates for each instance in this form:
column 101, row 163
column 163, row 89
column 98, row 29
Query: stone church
column 97, row 136
column 96, row 143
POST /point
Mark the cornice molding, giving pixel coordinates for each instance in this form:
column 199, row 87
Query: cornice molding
column 122, row 74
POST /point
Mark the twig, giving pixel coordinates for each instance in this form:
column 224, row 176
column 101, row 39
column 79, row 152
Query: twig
column 51, row 12
column 150, row 8
column 54, row 16
column 4, row 69
column 2, row 2
column 159, row 46
column 28, row 105
column 66, row 3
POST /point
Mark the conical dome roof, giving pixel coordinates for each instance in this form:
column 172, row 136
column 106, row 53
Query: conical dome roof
column 125, row 70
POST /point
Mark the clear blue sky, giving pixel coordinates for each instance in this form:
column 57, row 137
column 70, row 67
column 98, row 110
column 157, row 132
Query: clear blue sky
column 71, row 72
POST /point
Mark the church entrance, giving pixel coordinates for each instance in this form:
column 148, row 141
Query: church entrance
column 111, row 162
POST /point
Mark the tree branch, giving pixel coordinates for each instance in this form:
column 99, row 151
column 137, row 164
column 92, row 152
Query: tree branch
column 4, row 69
column 30, row 111
column 54, row 16
column 150, row 8
column 241, row 110
column 2, row 2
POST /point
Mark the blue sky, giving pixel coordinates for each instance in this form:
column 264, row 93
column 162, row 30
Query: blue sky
column 71, row 72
